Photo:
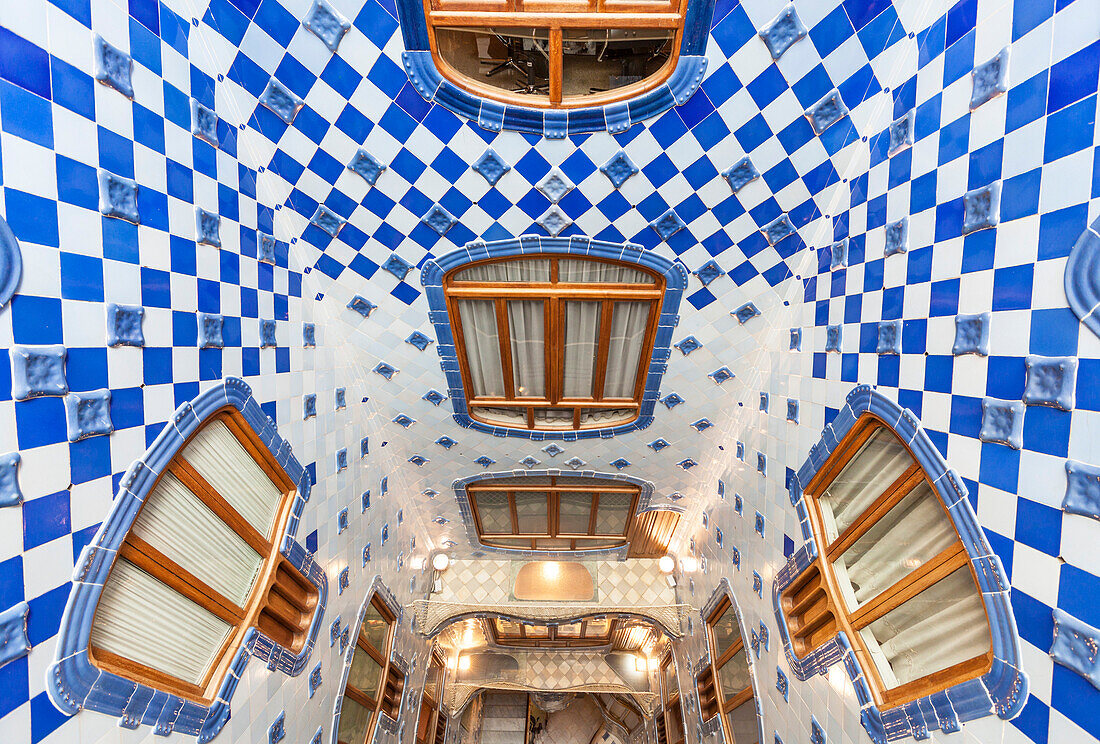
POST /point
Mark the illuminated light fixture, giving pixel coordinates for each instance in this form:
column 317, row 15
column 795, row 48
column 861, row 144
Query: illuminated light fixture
column 641, row 664
column 667, row 563
column 464, row 663
column 441, row 561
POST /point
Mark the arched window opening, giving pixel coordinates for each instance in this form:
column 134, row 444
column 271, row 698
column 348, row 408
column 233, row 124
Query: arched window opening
column 374, row 683
column 725, row 685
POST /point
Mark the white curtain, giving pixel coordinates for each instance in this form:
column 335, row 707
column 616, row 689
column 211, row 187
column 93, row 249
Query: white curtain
column 506, row 416
column 909, row 535
column 606, row 415
column 178, row 524
column 557, row 418
column 221, row 460
column 578, row 270
column 141, row 619
column 523, row 270
column 880, row 462
column 942, row 626
column 582, row 335
column 628, row 325
column 479, row 334
column 528, row 336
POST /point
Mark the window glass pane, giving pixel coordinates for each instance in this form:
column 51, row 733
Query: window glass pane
column 375, row 628
column 588, row 483
column 527, row 329
column 733, row 676
column 225, row 464
column 431, row 685
column 518, row 480
column 365, row 673
column 504, row 416
column 880, row 462
column 572, row 630
column 531, row 511
column 354, row 722
column 512, row 270
column 537, row 631
column 494, row 512
column 628, row 326
column 906, row 537
column 573, row 513
column 597, row 60
column 597, row 628
column 942, row 626
column 612, row 513
column 594, row 543
column 175, row 522
column 607, row 416
column 479, row 337
column 575, row 270
column 582, row 335
column 743, row 723
column 512, row 59
column 133, row 613
column 507, row 627
column 554, row 418
column 726, row 632
column 671, row 687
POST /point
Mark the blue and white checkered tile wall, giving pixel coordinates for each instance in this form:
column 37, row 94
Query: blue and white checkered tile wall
column 915, row 136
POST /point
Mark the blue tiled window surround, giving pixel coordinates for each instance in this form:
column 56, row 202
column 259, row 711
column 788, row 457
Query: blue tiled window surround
column 387, row 598
column 73, row 683
column 724, row 591
column 617, row 553
column 1004, row 688
column 557, row 123
column 431, row 277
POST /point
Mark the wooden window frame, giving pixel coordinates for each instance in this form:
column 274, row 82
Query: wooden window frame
column 281, row 603
column 428, row 730
column 554, row 295
column 551, row 640
column 817, row 591
column 553, row 491
column 377, row 702
column 555, row 15
column 725, row 701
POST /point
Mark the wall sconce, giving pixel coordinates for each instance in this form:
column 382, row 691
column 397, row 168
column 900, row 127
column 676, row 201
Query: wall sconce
column 440, row 563
column 667, row 564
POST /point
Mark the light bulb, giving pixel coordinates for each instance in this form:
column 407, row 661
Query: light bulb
column 666, row 564
column 440, row 561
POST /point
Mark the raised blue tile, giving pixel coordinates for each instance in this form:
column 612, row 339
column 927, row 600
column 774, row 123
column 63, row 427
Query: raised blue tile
column 620, row 463
column 672, row 400
column 267, row 334
column 619, row 169
column 982, row 208
column 971, row 334
column 277, row 731
column 14, row 643
column 553, row 449
column 491, row 166
column 419, row 340
column 708, row 272
column 118, row 197
column 1082, row 277
column 362, row 306
column 740, row 174
column 687, row 464
column 404, row 420
column 826, row 112
column 446, row 442
column 1076, row 646
column 485, row 461
column 265, row 248
column 281, row 101
column 555, row 185
column 838, row 255
column 782, row 685
column 720, row 375
column 668, row 224
column 434, row 397
column 37, row 371
column 688, row 345
column 309, row 335
column 11, row 263
column 204, row 123
column 113, row 67
column 210, row 330
column 208, row 227
column 10, row 493
column 1002, row 422
column 439, row 219
column 889, row 337
column 327, row 220
column 1051, row 381
column 745, row 313
column 901, row 134
column 792, row 410
column 833, row 338
column 314, row 680
column 778, row 229
column 554, row 220
column 367, row 166
column 309, row 405
column 340, row 398
column 657, row 445
column 817, row 733
column 702, row 424
column 1082, row 489
column 397, row 266
column 990, row 79
column 327, row 24
column 784, row 30
column 385, row 370
column 796, row 340
column 88, row 414
column 419, row 461
column 897, row 237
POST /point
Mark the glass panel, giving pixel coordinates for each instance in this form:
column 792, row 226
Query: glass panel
column 507, row 627
column 365, row 673
column 743, row 723
column 354, row 722
column 905, row 538
column 554, row 418
column 879, row 462
column 598, row 272
column 375, row 629
column 502, row 416
column 598, row 60
column 726, row 633
column 670, row 685
column 175, row 522
column 518, row 480
column 942, row 626
column 531, row 512
column 224, row 463
column 527, row 330
column 597, row 628
column 431, row 685
column 582, row 336
column 572, row 630
column 511, row 59
column 133, row 613
column 512, row 270
column 733, row 676
column 479, row 336
column 537, row 631
column 628, row 326
column 592, row 544
column 494, row 512
column 612, row 513
column 588, row 483
column 573, row 513
column 607, row 416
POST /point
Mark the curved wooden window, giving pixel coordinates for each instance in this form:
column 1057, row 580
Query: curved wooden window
column 431, row 723
column 374, row 684
column 725, row 687
column 555, row 54
column 670, row 719
column 553, row 342
column 893, row 572
column 553, row 512
column 200, row 566
column 594, row 631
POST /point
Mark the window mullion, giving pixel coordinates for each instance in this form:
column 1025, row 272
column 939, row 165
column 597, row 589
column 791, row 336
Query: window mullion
column 164, row 569
column 217, row 504
column 515, row 515
column 910, row 586
column 646, row 354
column 504, row 339
column 895, row 492
column 555, row 64
column 555, row 349
column 606, row 308
column 592, row 514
